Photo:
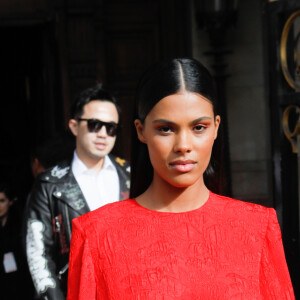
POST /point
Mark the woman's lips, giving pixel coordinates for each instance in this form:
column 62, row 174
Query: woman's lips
column 183, row 165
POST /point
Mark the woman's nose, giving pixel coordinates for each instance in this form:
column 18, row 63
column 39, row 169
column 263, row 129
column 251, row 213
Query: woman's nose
column 183, row 142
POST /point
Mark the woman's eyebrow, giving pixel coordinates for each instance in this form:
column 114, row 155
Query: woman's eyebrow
column 164, row 121
column 201, row 119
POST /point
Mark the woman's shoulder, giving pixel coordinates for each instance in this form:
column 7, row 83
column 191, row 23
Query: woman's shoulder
column 108, row 213
column 232, row 203
column 242, row 210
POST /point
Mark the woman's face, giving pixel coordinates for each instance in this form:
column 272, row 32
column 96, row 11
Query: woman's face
column 5, row 203
column 179, row 132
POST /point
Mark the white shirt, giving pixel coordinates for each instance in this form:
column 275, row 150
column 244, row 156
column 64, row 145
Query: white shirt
column 98, row 188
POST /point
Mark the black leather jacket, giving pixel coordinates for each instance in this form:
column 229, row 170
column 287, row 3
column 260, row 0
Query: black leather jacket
column 55, row 200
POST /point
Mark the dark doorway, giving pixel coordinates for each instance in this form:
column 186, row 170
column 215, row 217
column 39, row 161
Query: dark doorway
column 30, row 105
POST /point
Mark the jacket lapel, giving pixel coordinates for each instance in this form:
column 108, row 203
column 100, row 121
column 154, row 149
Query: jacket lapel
column 123, row 170
column 70, row 193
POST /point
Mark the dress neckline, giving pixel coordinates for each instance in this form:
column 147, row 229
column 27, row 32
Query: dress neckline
column 202, row 207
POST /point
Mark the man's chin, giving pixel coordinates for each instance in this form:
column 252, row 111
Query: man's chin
column 99, row 154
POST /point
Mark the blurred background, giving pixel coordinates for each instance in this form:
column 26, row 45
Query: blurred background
column 52, row 49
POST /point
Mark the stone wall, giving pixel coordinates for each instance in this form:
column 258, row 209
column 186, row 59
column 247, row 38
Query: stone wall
column 247, row 107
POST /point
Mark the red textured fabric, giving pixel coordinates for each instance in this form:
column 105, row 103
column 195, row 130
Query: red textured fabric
column 227, row 249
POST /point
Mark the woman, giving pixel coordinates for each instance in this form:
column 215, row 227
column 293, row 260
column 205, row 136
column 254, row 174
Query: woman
column 14, row 276
column 175, row 239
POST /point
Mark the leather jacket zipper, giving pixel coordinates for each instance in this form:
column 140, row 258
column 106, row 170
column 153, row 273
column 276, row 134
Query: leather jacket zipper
column 63, row 271
column 57, row 224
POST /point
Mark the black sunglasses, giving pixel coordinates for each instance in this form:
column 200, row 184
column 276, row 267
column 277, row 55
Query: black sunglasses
column 94, row 125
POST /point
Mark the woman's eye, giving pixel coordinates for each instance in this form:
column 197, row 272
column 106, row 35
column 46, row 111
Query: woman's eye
column 199, row 128
column 164, row 129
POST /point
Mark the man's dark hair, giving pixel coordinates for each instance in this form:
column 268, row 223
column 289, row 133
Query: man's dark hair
column 96, row 92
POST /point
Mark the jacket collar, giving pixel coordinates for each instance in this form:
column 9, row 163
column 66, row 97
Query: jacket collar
column 70, row 193
column 66, row 187
column 68, row 190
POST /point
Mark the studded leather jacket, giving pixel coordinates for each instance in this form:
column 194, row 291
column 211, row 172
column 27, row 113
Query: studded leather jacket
column 56, row 199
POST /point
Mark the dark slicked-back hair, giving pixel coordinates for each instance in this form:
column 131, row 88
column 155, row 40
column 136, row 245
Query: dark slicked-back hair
column 6, row 189
column 160, row 80
column 96, row 92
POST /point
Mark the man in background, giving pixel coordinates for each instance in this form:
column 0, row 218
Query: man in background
column 93, row 178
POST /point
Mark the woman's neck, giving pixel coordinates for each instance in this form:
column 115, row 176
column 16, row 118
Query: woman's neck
column 162, row 196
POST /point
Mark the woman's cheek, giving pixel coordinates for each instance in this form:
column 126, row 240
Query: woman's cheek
column 206, row 142
column 159, row 151
column 161, row 145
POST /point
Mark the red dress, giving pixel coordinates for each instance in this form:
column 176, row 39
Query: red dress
column 226, row 249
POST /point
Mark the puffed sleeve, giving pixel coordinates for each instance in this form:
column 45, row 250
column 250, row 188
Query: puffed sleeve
column 81, row 277
column 275, row 282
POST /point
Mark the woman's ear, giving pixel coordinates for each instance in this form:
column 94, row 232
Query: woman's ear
column 140, row 130
column 217, row 125
column 73, row 125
